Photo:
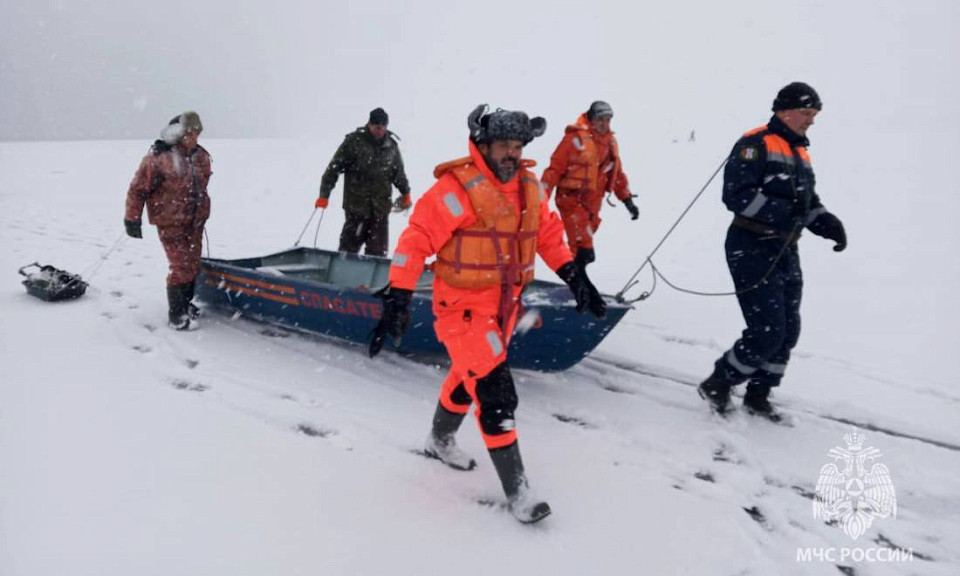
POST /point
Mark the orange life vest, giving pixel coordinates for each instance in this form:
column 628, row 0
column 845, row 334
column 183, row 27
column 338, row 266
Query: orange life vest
column 499, row 249
column 584, row 172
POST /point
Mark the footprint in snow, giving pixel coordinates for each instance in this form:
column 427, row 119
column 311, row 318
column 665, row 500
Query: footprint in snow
column 188, row 386
column 314, row 431
column 574, row 420
column 705, row 476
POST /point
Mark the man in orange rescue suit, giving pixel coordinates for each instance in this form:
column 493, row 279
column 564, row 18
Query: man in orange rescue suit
column 485, row 219
column 584, row 167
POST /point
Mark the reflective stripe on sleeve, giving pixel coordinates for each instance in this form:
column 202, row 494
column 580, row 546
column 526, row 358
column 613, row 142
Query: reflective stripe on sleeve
column 399, row 260
column 754, row 207
column 814, row 214
column 453, row 204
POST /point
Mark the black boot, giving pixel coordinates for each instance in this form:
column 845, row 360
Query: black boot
column 717, row 393
column 192, row 310
column 757, row 401
column 524, row 505
column 441, row 442
column 177, row 298
column 583, row 257
column 716, row 389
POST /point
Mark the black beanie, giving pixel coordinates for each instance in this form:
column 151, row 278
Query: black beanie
column 379, row 117
column 797, row 95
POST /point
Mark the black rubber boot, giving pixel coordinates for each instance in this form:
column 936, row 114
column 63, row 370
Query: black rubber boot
column 177, row 298
column 717, row 393
column 757, row 401
column 524, row 505
column 716, row 389
column 193, row 311
column 442, row 443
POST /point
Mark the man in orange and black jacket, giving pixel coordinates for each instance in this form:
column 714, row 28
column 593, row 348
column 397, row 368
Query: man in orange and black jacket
column 486, row 219
column 769, row 185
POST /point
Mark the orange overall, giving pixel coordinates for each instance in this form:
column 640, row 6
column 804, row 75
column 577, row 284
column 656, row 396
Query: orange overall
column 485, row 234
column 583, row 168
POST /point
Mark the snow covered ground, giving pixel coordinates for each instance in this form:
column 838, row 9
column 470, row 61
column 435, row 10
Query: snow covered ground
column 240, row 449
column 128, row 448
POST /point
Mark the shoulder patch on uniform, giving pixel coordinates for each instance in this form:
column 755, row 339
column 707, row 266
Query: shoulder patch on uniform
column 749, row 153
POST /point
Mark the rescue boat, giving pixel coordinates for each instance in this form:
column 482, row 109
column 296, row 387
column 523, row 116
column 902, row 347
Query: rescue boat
column 332, row 294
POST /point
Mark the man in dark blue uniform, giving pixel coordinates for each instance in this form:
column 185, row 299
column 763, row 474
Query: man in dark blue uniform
column 769, row 186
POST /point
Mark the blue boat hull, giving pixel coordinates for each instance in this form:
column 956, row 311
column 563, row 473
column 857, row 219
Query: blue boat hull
column 331, row 293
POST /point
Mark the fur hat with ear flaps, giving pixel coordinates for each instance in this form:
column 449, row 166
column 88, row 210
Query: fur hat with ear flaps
column 173, row 132
column 503, row 125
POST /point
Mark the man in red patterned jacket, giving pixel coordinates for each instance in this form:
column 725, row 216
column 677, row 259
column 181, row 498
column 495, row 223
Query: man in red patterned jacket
column 172, row 183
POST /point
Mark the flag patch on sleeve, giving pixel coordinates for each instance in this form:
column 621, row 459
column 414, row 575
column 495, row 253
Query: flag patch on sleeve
column 749, row 153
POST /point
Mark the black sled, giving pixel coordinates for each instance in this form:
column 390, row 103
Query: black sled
column 52, row 284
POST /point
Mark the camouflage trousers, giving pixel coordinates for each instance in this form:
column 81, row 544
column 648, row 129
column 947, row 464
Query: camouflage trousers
column 183, row 246
column 359, row 229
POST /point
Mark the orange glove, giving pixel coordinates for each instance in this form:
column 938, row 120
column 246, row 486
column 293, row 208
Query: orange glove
column 401, row 203
column 321, row 203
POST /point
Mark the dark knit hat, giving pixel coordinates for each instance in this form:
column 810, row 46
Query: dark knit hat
column 379, row 117
column 599, row 109
column 797, row 95
column 503, row 125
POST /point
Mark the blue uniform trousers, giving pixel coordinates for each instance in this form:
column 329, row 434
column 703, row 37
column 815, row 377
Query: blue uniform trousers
column 771, row 310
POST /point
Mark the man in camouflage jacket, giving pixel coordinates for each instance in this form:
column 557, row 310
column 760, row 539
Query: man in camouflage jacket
column 370, row 158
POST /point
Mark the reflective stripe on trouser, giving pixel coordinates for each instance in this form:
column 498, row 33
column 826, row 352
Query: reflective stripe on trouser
column 479, row 374
column 183, row 245
column 359, row 230
column 771, row 311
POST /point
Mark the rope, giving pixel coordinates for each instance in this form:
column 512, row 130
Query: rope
column 631, row 282
column 658, row 274
column 95, row 267
column 317, row 232
column 307, row 225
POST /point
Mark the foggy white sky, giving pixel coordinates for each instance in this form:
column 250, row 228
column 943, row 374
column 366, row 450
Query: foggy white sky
column 90, row 70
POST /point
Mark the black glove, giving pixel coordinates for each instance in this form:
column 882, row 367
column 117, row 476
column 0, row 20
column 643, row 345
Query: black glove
column 830, row 227
column 133, row 228
column 632, row 208
column 584, row 256
column 584, row 292
column 394, row 320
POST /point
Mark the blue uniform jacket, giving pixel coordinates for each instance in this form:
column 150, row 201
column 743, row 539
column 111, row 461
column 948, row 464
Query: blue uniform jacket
column 769, row 178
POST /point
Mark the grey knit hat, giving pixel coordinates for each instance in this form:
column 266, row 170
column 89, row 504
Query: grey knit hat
column 503, row 125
